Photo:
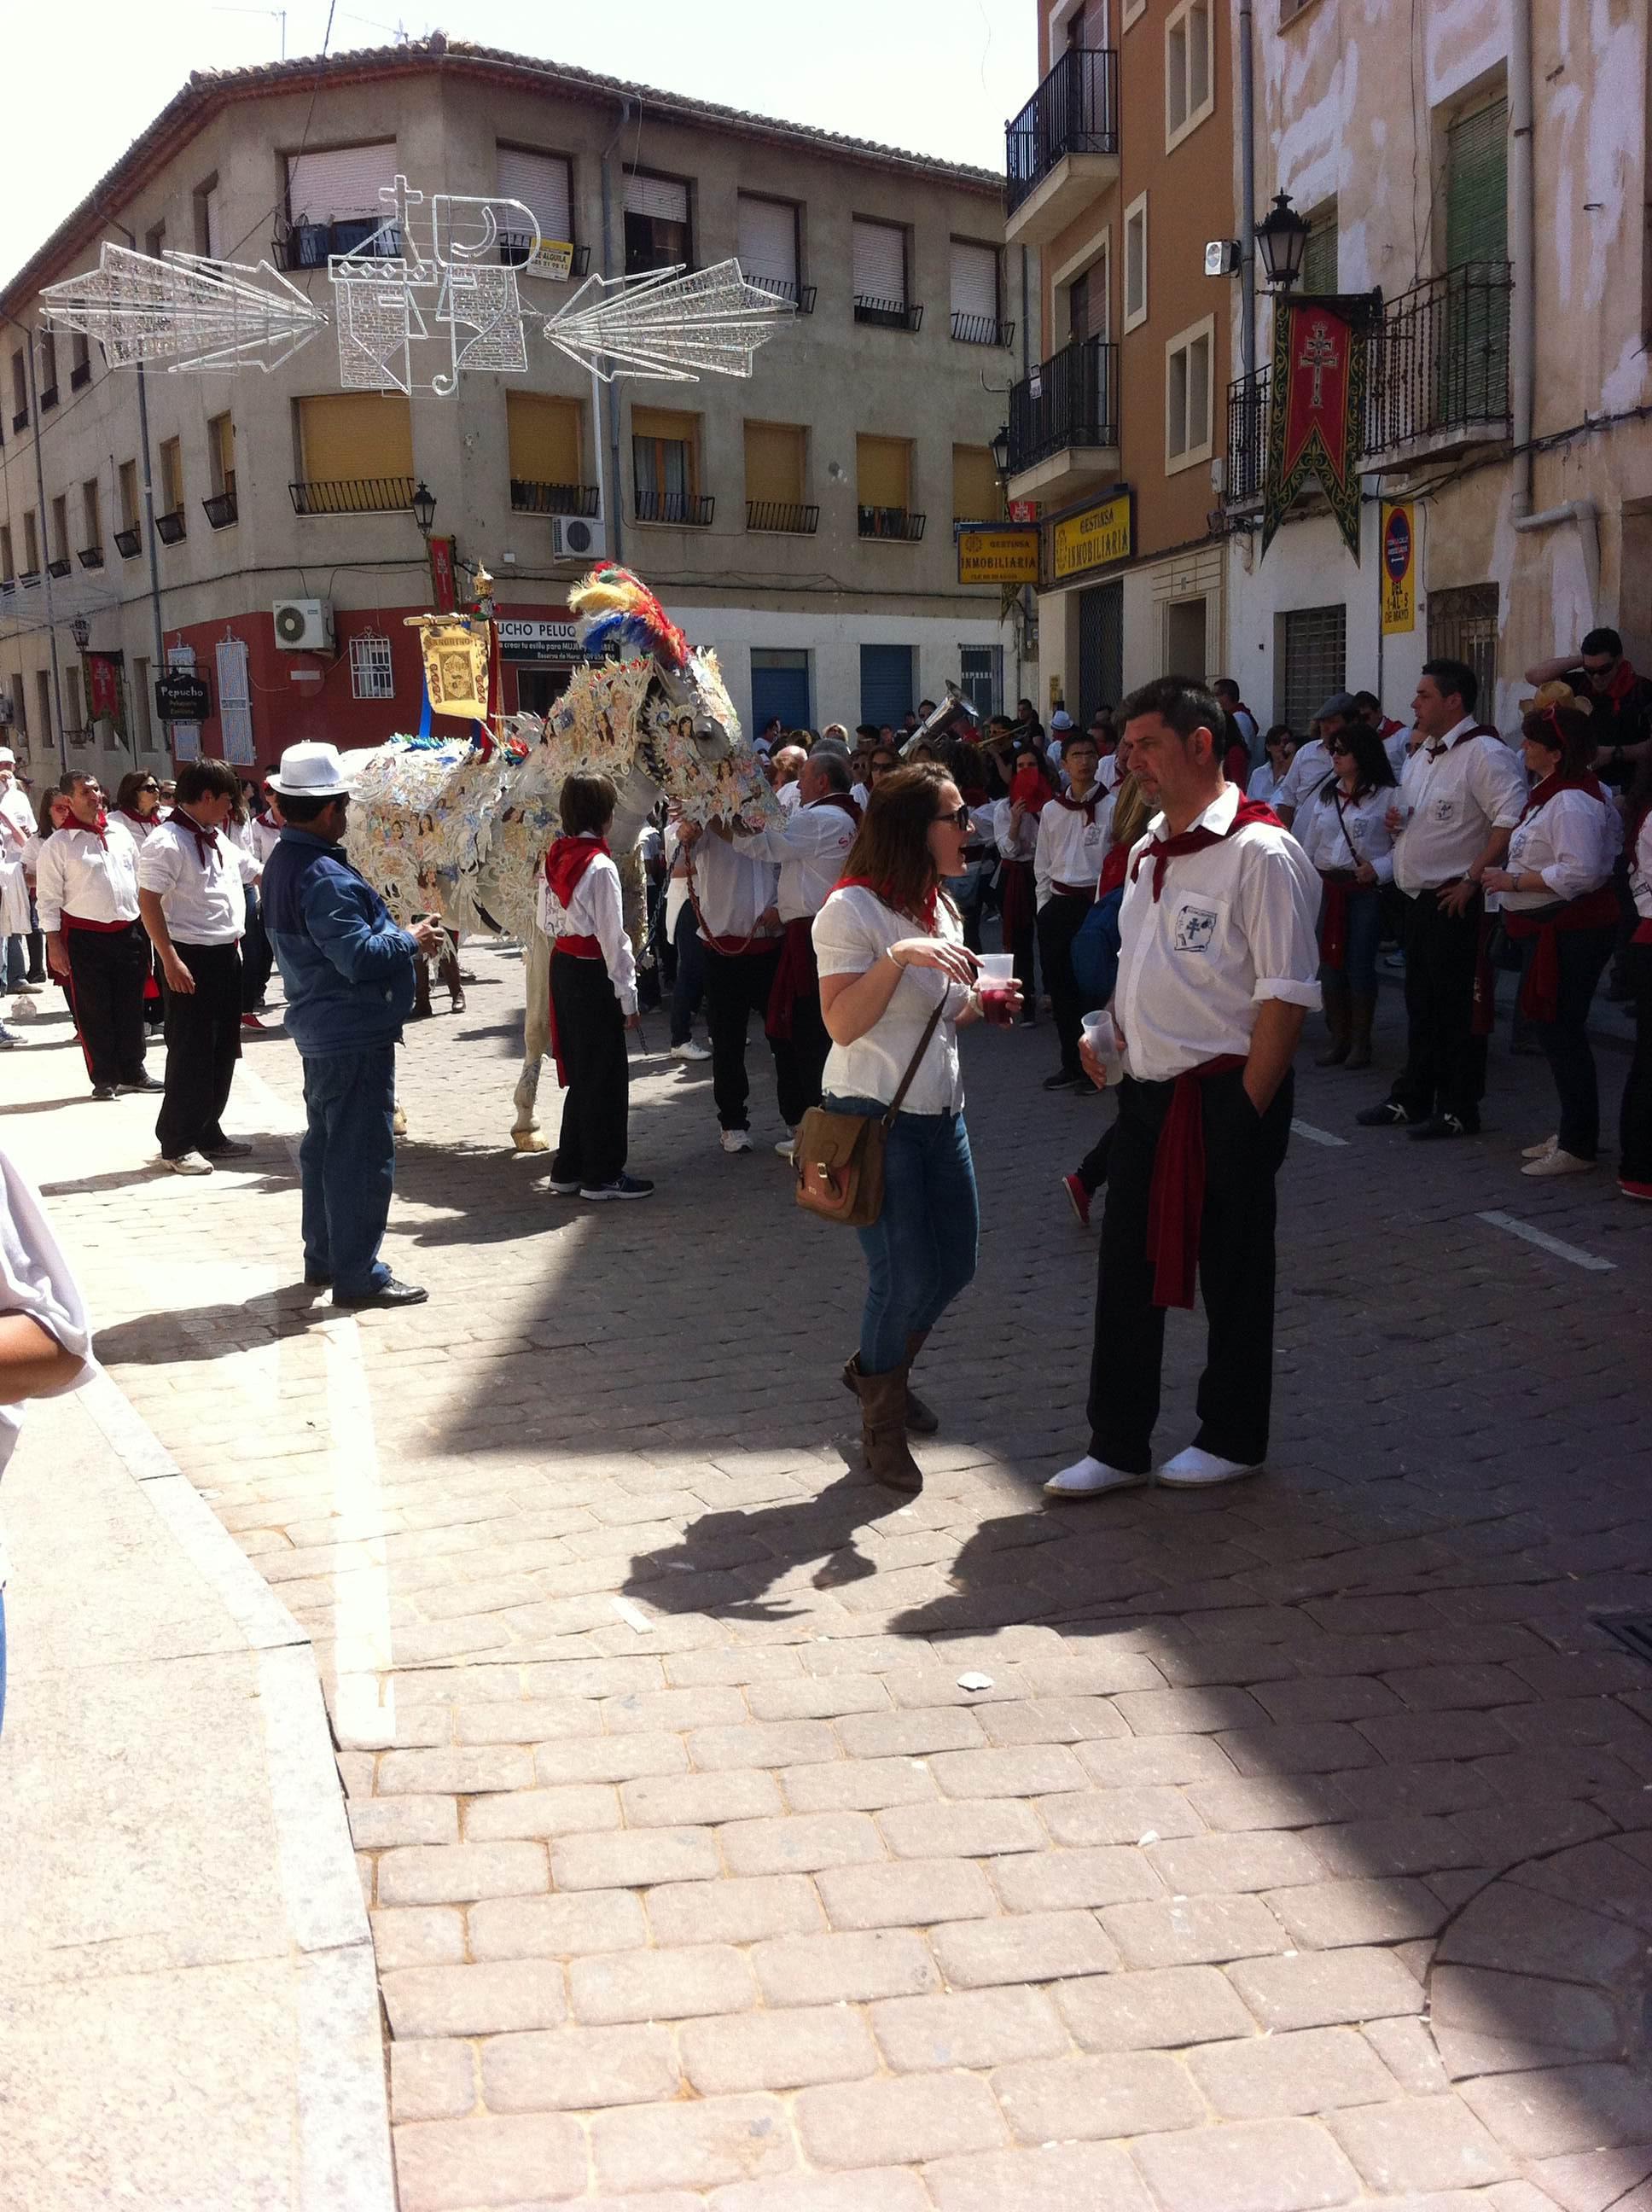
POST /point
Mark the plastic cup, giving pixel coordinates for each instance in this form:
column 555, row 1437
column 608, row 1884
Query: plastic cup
column 997, row 983
column 1102, row 1038
column 996, row 966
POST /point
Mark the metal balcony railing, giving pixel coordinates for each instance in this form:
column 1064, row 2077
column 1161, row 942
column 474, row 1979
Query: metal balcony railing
column 982, row 329
column 1071, row 399
column 802, row 296
column 221, row 509
column 352, row 496
column 128, row 542
column 1074, row 111
column 309, row 245
column 60, row 567
column 1438, row 359
column 91, row 556
column 898, row 523
column 20, row 420
column 80, row 374
column 530, row 496
column 888, row 314
column 795, row 520
column 171, row 528
column 1247, row 438
column 691, row 510
column 48, row 398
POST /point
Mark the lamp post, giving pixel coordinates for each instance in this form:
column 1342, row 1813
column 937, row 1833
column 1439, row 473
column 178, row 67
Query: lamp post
column 1001, row 452
column 1282, row 241
column 81, row 630
column 424, row 509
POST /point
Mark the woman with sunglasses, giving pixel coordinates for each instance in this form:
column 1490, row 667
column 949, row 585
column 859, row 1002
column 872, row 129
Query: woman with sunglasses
column 1343, row 829
column 889, row 945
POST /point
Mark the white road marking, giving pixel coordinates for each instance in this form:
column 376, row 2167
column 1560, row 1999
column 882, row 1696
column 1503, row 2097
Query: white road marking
column 1541, row 1237
column 632, row 1615
column 1316, row 1136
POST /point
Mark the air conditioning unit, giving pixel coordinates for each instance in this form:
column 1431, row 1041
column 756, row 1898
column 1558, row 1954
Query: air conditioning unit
column 574, row 539
column 304, row 625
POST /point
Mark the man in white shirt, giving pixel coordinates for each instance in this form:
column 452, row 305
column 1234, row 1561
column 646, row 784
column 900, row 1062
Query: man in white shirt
column 733, row 896
column 16, row 828
column 1459, row 800
column 1066, row 867
column 1313, row 765
column 811, row 849
column 191, row 892
column 86, row 890
column 1216, row 970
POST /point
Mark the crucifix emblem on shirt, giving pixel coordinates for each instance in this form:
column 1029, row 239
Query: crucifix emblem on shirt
column 1319, row 353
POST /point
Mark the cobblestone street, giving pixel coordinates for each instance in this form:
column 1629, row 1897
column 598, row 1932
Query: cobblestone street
column 736, row 1836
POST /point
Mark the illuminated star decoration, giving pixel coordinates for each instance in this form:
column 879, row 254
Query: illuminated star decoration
column 385, row 284
column 184, row 310
column 668, row 323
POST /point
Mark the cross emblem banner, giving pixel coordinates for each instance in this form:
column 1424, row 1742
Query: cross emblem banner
column 1316, row 416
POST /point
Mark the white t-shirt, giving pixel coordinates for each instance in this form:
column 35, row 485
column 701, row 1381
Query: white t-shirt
column 1572, row 841
column 204, row 901
column 1451, row 797
column 1310, row 765
column 852, row 930
column 596, row 910
column 1335, row 837
column 35, row 1280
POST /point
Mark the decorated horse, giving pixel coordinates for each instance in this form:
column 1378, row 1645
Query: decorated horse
column 459, row 827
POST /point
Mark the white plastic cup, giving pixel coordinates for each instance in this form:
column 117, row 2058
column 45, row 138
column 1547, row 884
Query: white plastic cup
column 1102, row 1038
column 996, row 966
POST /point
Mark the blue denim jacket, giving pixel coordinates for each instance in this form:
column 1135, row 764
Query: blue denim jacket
column 347, row 967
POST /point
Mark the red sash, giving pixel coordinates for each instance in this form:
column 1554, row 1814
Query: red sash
column 571, row 948
column 1540, row 994
column 796, row 976
column 1161, row 851
column 102, row 928
column 1339, row 884
column 1175, row 1197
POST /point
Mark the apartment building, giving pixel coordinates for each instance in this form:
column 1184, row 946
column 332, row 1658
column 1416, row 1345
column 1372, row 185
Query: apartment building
column 1484, row 166
column 801, row 522
column 1119, row 171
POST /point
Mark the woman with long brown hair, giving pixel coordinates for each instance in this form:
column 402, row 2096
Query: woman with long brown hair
column 889, row 945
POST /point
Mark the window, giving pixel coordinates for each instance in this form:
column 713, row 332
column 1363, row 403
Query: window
column 235, row 702
column 883, row 489
column 1188, row 410
column 220, row 452
column 1089, row 298
column 976, row 294
column 59, row 551
column 371, row 675
column 775, row 463
column 129, row 508
column 1189, row 70
column 1476, row 186
column 1312, row 656
column 355, row 453
column 79, row 359
column 7, row 568
column 544, row 183
column 1135, row 262
column 74, row 720
column 1462, row 625
column 656, row 221
column 547, row 446
column 977, row 495
column 880, row 273
column 209, row 229
column 1100, row 649
column 981, row 677
column 887, row 690
column 767, row 246
column 665, row 465
column 172, row 476
column 19, row 706
column 48, row 371
column 19, row 391
column 31, row 544
column 1319, row 259
column 154, row 241
column 92, row 519
column 141, row 697
column 333, row 201
column 43, row 705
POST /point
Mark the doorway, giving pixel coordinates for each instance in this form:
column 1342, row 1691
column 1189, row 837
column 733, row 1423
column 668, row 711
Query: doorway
column 1184, row 639
column 538, row 687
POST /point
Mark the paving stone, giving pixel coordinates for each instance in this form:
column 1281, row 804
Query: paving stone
column 448, row 2166
column 581, row 1808
column 975, row 1830
column 897, row 2122
column 1526, row 1932
column 1575, row 2108
column 1188, row 1712
column 1061, row 2178
column 762, row 1743
column 1424, row 2143
column 608, row 1759
column 1417, row 1843
column 799, row 1843
column 910, row 1734
column 1325, row 1988
column 1031, row 1947
column 1277, row 2076
column 739, row 1909
column 882, row 2189
column 454, row 1771
column 812, row 1700
column 911, row 1893
column 968, row 2027
column 1327, row 1698
column 691, row 2146
column 634, row 1858
column 1230, row 1865
column 432, row 2080
column 1019, row 1770
column 1408, row 2050
column 694, row 1801
column 637, row 1985
column 459, row 1874
column 1596, row 2181
column 790, row 2050
column 852, row 1969
column 1132, row 1763
column 858, row 1785
column 576, row 2070
column 379, row 1823
column 1162, row 2009
column 1050, row 1881
column 1249, row 2165
column 1304, row 1800
column 1051, row 1720
column 418, row 1936
column 556, row 1927
column 1189, row 1931
column 1296, row 1748
column 1332, row 1913
column 1122, row 2093
column 1119, row 1816
column 474, row 2000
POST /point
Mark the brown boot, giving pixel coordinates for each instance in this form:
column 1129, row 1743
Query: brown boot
column 448, row 969
column 919, row 1419
column 882, row 1429
column 1362, row 1010
column 1333, row 987
column 420, row 989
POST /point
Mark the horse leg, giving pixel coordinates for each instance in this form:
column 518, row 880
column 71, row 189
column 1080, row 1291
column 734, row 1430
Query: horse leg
column 536, row 1041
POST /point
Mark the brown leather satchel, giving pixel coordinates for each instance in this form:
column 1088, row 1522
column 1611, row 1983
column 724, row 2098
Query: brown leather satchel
column 838, row 1159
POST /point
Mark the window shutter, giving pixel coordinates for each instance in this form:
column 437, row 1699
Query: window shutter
column 1319, row 260
column 342, row 186
column 884, row 472
column 545, row 444
column 235, row 702
column 664, row 199
column 975, row 494
column 769, row 239
column 346, row 434
column 774, row 463
column 1477, row 187
column 880, row 262
column 541, row 182
column 974, row 279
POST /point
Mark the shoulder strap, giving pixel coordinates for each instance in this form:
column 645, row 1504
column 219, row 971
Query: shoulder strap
column 1342, row 824
column 930, row 1028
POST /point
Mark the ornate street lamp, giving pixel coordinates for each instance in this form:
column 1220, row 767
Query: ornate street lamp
column 1001, row 452
column 424, row 508
column 81, row 630
column 1282, row 240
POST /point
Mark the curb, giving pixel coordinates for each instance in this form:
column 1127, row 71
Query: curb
column 344, row 2149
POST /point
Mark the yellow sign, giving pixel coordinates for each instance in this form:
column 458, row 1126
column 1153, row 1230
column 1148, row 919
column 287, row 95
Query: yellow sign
column 549, row 256
column 1398, row 568
column 1092, row 540
column 999, row 557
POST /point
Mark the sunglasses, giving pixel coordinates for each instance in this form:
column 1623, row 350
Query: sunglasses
column 958, row 816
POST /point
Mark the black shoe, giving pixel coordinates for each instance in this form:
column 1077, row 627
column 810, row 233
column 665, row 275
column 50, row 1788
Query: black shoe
column 389, row 1293
column 1065, row 1080
column 228, row 1148
column 103, row 1090
column 1389, row 1115
column 624, row 1186
column 317, row 1282
column 1441, row 1125
column 145, row 1082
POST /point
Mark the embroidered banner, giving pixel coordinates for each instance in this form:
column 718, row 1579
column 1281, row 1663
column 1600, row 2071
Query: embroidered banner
column 103, row 689
column 1316, row 416
column 443, row 592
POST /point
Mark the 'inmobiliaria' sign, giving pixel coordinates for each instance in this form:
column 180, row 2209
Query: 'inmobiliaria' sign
column 1317, row 413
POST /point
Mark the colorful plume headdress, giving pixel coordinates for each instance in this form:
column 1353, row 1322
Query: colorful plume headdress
column 620, row 610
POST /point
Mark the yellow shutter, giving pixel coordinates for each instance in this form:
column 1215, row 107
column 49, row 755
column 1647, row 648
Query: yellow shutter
column 172, row 475
column 664, row 423
column 546, row 443
column 356, row 433
column 975, row 494
column 774, row 463
column 884, row 471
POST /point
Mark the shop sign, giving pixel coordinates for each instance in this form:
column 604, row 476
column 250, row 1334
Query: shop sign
column 180, row 696
column 997, row 555
column 1096, row 537
column 523, row 638
column 1398, row 568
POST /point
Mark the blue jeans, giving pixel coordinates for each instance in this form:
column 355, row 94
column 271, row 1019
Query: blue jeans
column 1364, row 936
column 17, row 963
column 347, row 1166
column 689, row 986
column 921, row 1251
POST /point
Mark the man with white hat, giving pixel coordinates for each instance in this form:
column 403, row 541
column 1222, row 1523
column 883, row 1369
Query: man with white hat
column 16, row 828
column 350, row 975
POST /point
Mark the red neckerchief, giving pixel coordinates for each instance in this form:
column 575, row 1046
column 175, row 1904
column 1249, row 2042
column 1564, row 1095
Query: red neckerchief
column 843, row 801
column 1161, row 851
column 566, row 863
column 1622, row 682
column 143, row 821
column 1084, row 806
column 1435, row 746
column 206, row 841
column 925, row 916
column 1543, row 792
column 97, row 829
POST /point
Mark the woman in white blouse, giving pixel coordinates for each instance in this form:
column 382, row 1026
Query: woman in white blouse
column 890, row 948
column 1342, row 827
column 1557, row 902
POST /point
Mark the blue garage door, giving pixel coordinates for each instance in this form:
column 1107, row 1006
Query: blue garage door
column 780, row 685
column 886, row 684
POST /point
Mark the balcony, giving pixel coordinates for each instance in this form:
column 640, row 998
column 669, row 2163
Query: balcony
column 60, row 567
column 888, row 314
column 982, row 329
column 7, row 585
column 1063, row 147
column 1247, row 438
column 782, row 517
column 1063, row 422
column 221, row 510
column 28, row 578
column 80, row 376
column 128, row 542
column 687, row 510
column 90, row 556
column 48, row 398
column 353, row 495
column 800, row 296
column 311, row 245
column 171, row 529
column 1438, row 368
column 530, row 496
column 20, row 420
column 898, row 524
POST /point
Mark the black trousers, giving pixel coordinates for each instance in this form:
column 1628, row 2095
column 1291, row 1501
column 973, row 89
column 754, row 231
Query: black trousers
column 1059, row 919
column 1635, row 1115
column 258, row 954
column 738, row 986
column 203, row 1043
column 800, row 1059
column 1242, row 1156
column 596, row 1098
column 106, row 969
column 1445, row 1063
column 1582, row 953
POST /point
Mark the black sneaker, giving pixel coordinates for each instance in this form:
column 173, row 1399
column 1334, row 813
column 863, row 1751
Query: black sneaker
column 1389, row 1115
column 1441, row 1125
column 622, row 1186
column 103, row 1090
column 389, row 1293
column 145, row 1082
column 228, row 1148
column 1062, row 1080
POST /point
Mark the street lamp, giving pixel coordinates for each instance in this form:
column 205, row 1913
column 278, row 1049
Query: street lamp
column 424, row 508
column 1001, row 451
column 81, row 630
column 1282, row 241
